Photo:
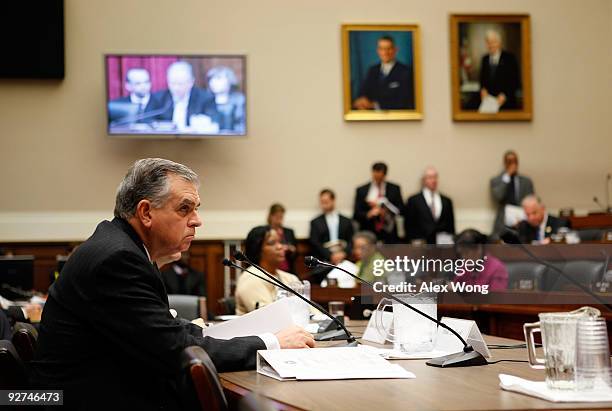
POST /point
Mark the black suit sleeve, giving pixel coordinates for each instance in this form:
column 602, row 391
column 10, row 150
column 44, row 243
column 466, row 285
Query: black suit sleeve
column 410, row 217
column 129, row 311
column 451, row 217
column 360, row 213
column 316, row 242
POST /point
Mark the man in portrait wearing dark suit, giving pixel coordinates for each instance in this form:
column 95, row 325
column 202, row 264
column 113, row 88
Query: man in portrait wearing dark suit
column 428, row 212
column 331, row 233
column 377, row 203
column 187, row 106
column 500, row 76
column 107, row 337
column 539, row 226
column 389, row 84
column 509, row 189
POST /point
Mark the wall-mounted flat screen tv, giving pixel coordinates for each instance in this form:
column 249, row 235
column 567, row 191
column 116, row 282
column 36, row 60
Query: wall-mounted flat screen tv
column 176, row 95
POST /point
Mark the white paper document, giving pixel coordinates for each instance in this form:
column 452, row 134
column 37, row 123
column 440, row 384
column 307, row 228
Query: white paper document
column 538, row 389
column 344, row 280
column 513, row 215
column 339, row 363
column 446, row 343
column 489, row 105
column 268, row 319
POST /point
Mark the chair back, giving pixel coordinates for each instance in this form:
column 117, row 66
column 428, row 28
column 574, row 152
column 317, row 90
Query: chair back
column 204, row 378
column 13, row 374
column 24, row 339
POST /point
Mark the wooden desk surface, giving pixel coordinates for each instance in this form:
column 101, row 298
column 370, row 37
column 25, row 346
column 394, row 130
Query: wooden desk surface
column 472, row 388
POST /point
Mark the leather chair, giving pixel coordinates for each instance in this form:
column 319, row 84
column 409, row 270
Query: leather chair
column 586, row 272
column 24, row 339
column 525, row 275
column 13, row 374
column 203, row 378
column 188, row 307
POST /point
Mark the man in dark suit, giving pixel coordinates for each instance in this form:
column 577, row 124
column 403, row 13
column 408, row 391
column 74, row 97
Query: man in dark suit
column 107, row 337
column 428, row 212
column 377, row 203
column 388, row 85
column 188, row 107
column 132, row 108
column 331, row 233
column 509, row 188
column 539, row 226
column 180, row 278
column 500, row 76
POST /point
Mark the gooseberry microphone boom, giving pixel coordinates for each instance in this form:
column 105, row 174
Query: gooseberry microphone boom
column 240, row 256
column 467, row 358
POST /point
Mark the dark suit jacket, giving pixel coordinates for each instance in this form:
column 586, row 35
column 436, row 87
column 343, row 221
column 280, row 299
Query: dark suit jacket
column 107, row 338
column 499, row 191
column 319, row 235
column 392, row 92
column 527, row 233
column 420, row 224
column 506, row 78
column 361, row 208
column 289, row 238
column 191, row 283
column 200, row 102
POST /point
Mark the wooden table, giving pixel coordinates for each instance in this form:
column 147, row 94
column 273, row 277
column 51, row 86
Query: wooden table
column 472, row 388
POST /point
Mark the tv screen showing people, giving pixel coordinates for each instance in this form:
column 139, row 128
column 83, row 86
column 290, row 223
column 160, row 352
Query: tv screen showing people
column 176, row 95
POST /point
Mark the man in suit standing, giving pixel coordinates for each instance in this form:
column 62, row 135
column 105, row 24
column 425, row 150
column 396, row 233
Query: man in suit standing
column 188, row 107
column 509, row 188
column 539, row 226
column 377, row 203
column 107, row 337
column 500, row 76
column 388, row 84
column 428, row 212
column 331, row 233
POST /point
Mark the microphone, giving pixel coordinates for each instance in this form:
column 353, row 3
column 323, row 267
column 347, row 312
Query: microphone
column 142, row 116
column 239, row 255
column 596, row 201
column 468, row 358
column 553, row 267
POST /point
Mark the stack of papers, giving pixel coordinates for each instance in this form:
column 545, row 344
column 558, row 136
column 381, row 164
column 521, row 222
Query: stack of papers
column 327, row 364
column 539, row 389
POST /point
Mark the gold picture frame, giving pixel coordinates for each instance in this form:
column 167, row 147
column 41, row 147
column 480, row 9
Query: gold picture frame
column 400, row 89
column 477, row 62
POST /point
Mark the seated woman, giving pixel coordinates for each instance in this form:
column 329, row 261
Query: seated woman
column 263, row 247
column 469, row 245
column 229, row 100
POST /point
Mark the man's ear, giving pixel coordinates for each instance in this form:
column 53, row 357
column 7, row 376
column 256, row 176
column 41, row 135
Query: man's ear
column 143, row 213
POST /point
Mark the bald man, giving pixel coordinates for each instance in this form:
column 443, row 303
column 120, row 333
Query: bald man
column 539, row 226
column 500, row 76
column 183, row 102
column 428, row 212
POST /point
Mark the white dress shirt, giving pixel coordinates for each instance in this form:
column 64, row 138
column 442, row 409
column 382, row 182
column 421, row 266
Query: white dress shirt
column 385, row 68
column 494, row 58
column 435, row 199
column 333, row 225
column 142, row 102
column 374, row 193
column 179, row 115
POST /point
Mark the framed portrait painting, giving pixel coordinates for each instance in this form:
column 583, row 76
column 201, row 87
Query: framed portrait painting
column 382, row 72
column 491, row 67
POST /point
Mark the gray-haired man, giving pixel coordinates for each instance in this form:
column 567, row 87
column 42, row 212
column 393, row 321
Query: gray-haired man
column 107, row 337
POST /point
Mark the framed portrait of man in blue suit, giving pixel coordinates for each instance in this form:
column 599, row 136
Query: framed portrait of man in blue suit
column 491, row 67
column 382, row 73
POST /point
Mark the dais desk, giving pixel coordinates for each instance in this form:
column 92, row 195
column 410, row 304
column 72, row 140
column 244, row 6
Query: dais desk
column 472, row 388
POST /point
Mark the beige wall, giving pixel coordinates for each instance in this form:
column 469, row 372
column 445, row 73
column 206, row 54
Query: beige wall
column 55, row 155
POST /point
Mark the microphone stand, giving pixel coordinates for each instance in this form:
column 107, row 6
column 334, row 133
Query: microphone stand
column 467, row 358
column 238, row 255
